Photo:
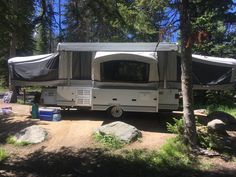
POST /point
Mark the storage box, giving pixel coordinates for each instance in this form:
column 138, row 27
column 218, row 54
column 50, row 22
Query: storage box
column 49, row 114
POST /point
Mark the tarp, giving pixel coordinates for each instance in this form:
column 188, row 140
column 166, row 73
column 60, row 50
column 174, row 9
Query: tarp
column 34, row 68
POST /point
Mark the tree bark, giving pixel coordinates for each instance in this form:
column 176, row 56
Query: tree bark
column 186, row 76
column 12, row 53
column 59, row 19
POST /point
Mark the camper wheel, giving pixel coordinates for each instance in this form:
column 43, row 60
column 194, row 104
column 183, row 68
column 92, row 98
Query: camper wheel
column 116, row 112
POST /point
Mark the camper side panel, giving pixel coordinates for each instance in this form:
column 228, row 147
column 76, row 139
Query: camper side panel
column 128, row 100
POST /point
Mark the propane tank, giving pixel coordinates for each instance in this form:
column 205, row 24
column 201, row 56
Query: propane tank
column 34, row 111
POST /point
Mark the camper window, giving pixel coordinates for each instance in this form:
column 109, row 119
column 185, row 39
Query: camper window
column 81, row 65
column 124, row 71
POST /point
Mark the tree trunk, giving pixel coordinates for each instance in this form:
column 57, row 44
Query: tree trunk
column 59, row 19
column 186, row 76
column 13, row 45
column 12, row 53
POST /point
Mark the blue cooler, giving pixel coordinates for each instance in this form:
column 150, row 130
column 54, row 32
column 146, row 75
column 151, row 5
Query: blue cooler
column 49, row 114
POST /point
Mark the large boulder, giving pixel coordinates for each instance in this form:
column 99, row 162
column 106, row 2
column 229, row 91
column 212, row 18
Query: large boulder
column 121, row 131
column 33, row 134
column 216, row 126
column 225, row 117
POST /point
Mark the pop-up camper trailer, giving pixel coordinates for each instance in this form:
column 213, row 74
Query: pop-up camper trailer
column 118, row 77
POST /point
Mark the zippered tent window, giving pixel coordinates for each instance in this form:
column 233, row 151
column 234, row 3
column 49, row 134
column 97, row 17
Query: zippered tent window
column 81, row 65
column 124, row 71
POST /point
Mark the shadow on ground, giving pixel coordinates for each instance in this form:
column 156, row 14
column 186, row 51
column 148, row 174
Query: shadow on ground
column 9, row 127
column 152, row 122
column 94, row 163
column 223, row 142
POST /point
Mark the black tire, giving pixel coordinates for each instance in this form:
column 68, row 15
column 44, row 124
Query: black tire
column 116, row 112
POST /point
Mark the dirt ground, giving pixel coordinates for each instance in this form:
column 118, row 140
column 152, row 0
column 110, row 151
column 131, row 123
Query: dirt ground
column 76, row 128
column 74, row 133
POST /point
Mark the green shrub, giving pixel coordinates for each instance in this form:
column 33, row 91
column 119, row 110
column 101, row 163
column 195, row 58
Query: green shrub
column 222, row 97
column 3, row 155
column 210, row 141
column 207, row 141
column 172, row 155
column 213, row 97
column 109, row 141
column 12, row 140
column 177, row 127
column 138, row 155
column 224, row 108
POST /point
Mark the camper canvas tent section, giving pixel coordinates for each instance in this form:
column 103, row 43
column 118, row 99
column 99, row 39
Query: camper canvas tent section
column 72, row 65
column 209, row 73
column 34, row 69
column 213, row 73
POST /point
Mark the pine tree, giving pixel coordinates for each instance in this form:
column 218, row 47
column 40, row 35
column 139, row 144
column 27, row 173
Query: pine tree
column 190, row 133
column 216, row 18
column 17, row 29
column 103, row 20
column 16, row 32
column 45, row 29
column 196, row 17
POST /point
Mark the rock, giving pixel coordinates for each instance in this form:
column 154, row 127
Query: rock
column 6, row 112
column 225, row 117
column 200, row 112
column 120, row 130
column 33, row 134
column 209, row 153
column 216, row 126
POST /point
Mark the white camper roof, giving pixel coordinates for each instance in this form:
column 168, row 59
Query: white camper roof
column 32, row 58
column 118, row 47
column 214, row 60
